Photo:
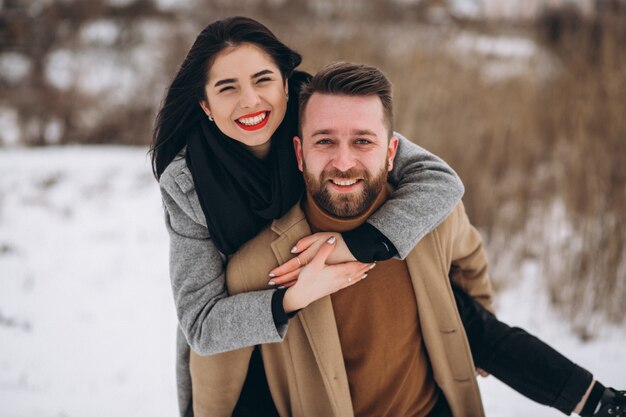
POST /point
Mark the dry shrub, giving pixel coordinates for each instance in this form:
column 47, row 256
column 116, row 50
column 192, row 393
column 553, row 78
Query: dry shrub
column 543, row 159
column 584, row 112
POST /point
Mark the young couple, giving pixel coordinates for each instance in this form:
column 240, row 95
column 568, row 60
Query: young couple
column 238, row 125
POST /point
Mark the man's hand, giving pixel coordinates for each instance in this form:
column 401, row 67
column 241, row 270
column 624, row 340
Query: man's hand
column 317, row 279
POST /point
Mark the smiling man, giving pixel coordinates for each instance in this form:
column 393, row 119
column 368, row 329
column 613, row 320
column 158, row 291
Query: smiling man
column 345, row 176
column 345, row 150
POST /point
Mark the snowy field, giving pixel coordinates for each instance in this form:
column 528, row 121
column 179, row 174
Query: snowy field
column 86, row 317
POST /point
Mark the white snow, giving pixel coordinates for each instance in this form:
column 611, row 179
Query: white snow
column 94, row 71
column 500, row 58
column 14, row 66
column 87, row 323
column 86, row 316
column 503, row 47
column 59, row 71
column 9, row 127
column 101, row 31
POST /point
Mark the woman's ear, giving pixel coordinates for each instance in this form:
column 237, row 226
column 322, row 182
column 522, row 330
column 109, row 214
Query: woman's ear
column 205, row 107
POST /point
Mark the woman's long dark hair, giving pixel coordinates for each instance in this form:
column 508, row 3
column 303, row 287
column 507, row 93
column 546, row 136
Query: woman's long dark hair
column 180, row 111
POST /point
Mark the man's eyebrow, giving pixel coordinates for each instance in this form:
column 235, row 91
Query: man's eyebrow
column 363, row 132
column 322, row 132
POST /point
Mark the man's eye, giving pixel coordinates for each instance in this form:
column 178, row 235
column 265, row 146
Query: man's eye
column 324, row 142
column 362, row 141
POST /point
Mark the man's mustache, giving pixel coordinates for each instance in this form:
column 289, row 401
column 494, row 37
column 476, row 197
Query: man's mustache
column 345, row 175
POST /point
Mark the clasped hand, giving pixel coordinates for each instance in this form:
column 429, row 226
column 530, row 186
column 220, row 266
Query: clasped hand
column 323, row 265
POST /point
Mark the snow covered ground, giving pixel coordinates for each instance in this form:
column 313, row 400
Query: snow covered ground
column 86, row 316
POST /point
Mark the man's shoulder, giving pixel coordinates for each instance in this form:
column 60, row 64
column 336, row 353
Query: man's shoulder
column 247, row 269
column 450, row 224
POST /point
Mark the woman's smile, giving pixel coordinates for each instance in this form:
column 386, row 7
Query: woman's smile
column 253, row 121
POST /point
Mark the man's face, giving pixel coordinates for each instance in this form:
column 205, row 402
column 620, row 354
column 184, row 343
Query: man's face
column 345, row 152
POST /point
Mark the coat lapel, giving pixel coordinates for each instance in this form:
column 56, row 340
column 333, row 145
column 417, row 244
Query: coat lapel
column 317, row 319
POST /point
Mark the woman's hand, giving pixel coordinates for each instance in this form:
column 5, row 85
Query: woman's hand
column 307, row 248
column 317, row 279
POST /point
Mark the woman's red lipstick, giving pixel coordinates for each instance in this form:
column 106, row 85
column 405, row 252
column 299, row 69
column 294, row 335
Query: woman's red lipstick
column 256, row 126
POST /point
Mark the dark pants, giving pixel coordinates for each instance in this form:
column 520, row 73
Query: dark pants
column 515, row 357
column 520, row 360
column 441, row 409
column 255, row 398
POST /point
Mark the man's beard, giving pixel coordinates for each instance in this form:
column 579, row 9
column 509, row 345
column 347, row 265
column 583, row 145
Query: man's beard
column 348, row 204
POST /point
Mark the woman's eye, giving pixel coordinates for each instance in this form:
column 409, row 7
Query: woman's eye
column 264, row 79
column 221, row 90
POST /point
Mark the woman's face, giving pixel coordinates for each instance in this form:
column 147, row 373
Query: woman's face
column 246, row 94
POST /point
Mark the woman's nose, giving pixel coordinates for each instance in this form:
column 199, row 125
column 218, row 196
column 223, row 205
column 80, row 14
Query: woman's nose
column 249, row 98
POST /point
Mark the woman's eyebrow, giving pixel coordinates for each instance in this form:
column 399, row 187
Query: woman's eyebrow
column 264, row 72
column 232, row 80
column 224, row 81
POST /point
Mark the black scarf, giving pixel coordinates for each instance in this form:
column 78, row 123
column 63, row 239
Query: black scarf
column 238, row 192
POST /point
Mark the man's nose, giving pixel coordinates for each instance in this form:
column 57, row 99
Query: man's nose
column 249, row 98
column 343, row 160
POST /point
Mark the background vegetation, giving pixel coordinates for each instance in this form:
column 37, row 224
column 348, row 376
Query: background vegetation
column 530, row 112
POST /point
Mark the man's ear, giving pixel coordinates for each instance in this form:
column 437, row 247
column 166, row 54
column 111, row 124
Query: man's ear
column 205, row 107
column 297, row 147
column 391, row 151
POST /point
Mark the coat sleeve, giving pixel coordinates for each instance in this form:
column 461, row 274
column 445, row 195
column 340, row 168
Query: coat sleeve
column 469, row 260
column 210, row 319
column 427, row 190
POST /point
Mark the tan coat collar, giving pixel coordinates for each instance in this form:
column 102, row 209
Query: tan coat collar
column 318, row 319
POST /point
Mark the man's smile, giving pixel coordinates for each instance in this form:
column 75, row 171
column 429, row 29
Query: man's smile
column 345, row 185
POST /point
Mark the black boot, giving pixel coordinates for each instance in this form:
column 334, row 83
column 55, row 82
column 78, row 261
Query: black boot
column 612, row 404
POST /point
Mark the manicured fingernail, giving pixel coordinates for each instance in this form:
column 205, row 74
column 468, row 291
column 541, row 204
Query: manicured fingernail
column 282, row 287
column 271, row 283
column 373, row 265
column 294, row 249
column 272, row 275
column 331, row 240
column 364, row 276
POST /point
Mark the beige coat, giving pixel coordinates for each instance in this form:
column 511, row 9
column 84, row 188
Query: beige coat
column 306, row 372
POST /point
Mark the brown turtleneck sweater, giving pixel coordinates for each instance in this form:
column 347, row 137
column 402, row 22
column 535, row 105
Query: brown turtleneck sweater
column 388, row 368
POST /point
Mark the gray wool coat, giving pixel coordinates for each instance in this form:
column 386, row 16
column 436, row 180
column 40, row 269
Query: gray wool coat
column 210, row 321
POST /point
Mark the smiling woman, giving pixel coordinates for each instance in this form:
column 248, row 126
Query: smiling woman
column 246, row 94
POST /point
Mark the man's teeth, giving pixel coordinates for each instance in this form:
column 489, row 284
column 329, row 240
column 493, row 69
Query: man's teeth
column 344, row 182
column 251, row 121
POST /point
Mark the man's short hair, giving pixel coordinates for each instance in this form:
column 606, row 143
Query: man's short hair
column 345, row 78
